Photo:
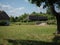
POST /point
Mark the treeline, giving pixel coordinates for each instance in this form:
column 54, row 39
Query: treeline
column 23, row 18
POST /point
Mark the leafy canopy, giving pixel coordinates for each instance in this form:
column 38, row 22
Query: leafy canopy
column 47, row 2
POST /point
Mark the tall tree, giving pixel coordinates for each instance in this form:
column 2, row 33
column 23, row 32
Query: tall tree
column 12, row 19
column 50, row 4
column 16, row 19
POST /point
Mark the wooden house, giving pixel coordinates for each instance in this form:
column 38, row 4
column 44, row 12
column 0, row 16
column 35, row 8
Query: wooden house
column 4, row 17
column 37, row 18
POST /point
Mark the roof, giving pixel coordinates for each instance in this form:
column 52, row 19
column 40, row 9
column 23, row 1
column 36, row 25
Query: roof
column 4, row 16
column 37, row 18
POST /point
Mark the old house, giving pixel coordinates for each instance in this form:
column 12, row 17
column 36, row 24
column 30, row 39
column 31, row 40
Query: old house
column 37, row 18
column 4, row 18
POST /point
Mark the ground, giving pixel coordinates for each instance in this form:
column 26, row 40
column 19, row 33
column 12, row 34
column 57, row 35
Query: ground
column 27, row 33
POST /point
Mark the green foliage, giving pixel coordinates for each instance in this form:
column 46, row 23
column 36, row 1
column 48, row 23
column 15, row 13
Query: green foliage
column 24, row 23
column 12, row 19
column 16, row 19
column 24, row 18
column 47, row 2
column 3, row 23
column 50, row 16
column 51, row 22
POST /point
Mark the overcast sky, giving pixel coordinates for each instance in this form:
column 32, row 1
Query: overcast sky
column 18, row 7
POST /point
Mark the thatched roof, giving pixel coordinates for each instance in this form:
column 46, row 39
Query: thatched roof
column 4, row 16
column 37, row 18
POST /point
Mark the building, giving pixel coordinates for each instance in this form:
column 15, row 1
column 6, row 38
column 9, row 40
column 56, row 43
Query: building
column 4, row 17
column 37, row 18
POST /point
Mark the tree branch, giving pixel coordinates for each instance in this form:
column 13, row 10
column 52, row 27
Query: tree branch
column 52, row 8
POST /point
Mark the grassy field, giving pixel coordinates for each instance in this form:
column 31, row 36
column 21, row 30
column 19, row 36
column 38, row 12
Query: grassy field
column 27, row 34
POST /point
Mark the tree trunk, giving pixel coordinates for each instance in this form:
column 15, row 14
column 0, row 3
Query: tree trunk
column 58, row 23
column 57, row 15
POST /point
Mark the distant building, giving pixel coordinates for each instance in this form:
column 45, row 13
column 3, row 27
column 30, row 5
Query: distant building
column 5, row 17
column 37, row 18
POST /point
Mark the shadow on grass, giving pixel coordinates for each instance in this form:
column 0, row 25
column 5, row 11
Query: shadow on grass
column 34, row 42
column 56, row 39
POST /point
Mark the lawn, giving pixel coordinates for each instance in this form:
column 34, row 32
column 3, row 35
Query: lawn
column 26, row 33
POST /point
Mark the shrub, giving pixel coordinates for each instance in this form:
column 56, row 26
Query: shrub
column 24, row 23
column 51, row 22
column 4, row 23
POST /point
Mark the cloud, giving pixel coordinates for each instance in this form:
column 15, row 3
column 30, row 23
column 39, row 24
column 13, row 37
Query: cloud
column 10, row 9
column 5, row 7
column 17, row 9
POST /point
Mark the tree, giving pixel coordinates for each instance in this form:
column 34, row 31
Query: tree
column 12, row 19
column 50, row 4
column 16, row 19
column 23, row 17
column 33, row 12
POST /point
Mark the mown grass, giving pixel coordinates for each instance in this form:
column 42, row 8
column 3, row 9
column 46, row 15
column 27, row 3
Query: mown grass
column 27, row 32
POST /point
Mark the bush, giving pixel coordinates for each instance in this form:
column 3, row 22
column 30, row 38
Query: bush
column 51, row 22
column 4, row 23
column 23, row 23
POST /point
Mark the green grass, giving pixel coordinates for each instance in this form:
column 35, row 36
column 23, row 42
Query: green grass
column 27, row 32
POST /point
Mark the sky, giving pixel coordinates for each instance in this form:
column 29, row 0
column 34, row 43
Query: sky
column 19, row 7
